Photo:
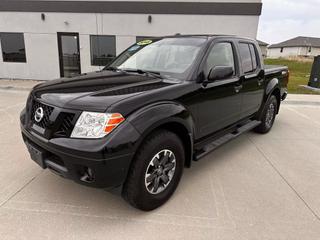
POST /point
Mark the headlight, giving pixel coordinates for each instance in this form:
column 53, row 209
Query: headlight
column 96, row 125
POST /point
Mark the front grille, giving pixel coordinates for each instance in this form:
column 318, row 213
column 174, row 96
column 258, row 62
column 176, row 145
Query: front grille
column 66, row 126
column 47, row 111
column 56, row 122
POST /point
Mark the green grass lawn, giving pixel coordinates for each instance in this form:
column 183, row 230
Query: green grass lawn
column 299, row 74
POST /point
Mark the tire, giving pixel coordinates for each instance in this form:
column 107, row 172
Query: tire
column 268, row 115
column 148, row 186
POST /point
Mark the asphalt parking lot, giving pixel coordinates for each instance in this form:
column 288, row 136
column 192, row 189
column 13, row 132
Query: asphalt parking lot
column 255, row 187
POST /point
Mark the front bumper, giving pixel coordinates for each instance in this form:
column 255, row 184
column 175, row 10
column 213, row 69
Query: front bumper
column 100, row 163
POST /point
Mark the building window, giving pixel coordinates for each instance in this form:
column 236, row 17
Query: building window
column 13, row 48
column 310, row 48
column 103, row 49
column 281, row 50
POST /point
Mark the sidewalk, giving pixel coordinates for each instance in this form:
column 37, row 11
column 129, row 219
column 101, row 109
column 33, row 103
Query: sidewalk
column 26, row 85
column 303, row 99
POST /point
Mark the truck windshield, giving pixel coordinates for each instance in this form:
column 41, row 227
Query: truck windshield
column 169, row 57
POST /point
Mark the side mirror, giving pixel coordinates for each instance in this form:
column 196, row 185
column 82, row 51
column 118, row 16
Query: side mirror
column 220, row 73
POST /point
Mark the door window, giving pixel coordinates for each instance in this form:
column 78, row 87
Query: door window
column 220, row 55
column 254, row 57
column 248, row 57
column 69, row 54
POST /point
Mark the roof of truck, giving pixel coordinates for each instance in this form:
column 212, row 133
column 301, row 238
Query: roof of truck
column 206, row 36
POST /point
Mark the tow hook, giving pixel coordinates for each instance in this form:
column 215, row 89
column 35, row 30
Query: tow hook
column 87, row 176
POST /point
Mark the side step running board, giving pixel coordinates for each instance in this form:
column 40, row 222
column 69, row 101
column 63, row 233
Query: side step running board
column 226, row 138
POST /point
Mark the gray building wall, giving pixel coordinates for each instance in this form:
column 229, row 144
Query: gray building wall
column 41, row 36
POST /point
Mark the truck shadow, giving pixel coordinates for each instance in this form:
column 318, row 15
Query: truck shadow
column 197, row 198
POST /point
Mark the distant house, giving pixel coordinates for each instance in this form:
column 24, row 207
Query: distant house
column 263, row 47
column 296, row 47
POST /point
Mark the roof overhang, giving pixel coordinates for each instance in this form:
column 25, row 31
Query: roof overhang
column 133, row 7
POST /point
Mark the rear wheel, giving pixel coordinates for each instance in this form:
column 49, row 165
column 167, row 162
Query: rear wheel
column 155, row 172
column 268, row 115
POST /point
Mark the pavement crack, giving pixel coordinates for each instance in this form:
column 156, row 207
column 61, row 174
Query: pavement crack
column 20, row 189
column 285, row 180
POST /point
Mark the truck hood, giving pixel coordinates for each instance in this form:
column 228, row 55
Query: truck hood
column 95, row 91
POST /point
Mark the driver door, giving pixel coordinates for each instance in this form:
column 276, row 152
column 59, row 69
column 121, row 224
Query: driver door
column 219, row 103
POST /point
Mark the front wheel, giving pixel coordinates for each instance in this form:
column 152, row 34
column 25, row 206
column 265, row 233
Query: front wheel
column 268, row 115
column 155, row 172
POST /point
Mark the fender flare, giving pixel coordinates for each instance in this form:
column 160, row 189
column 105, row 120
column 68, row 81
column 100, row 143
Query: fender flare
column 272, row 85
column 153, row 116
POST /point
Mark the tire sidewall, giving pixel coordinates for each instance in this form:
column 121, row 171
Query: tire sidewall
column 271, row 100
column 166, row 140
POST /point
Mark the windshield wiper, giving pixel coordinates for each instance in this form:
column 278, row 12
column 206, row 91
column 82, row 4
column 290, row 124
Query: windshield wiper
column 140, row 71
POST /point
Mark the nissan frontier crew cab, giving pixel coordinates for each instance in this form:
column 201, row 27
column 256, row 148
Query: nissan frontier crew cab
column 160, row 105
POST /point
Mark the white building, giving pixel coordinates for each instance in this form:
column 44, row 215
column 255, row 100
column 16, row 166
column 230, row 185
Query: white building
column 296, row 47
column 45, row 39
column 264, row 48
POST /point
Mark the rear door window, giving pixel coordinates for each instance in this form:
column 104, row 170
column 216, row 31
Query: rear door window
column 254, row 57
column 248, row 57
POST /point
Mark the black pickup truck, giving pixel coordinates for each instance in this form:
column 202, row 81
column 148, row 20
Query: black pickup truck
column 160, row 105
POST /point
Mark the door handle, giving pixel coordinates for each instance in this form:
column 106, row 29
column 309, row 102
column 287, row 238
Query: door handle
column 238, row 88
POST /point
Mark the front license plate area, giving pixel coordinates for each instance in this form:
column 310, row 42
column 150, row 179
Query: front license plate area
column 36, row 155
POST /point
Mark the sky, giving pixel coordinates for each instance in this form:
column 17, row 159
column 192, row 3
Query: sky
column 285, row 19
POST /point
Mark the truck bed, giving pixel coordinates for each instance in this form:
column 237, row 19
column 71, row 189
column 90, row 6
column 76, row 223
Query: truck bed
column 269, row 69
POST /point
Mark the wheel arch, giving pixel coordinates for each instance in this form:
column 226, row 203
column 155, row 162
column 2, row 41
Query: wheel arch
column 181, row 131
column 168, row 116
column 272, row 88
column 277, row 94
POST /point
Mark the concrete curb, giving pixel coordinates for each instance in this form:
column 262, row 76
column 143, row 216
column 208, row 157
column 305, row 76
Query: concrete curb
column 18, row 85
column 310, row 88
column 295, row 102
column 15, row 88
